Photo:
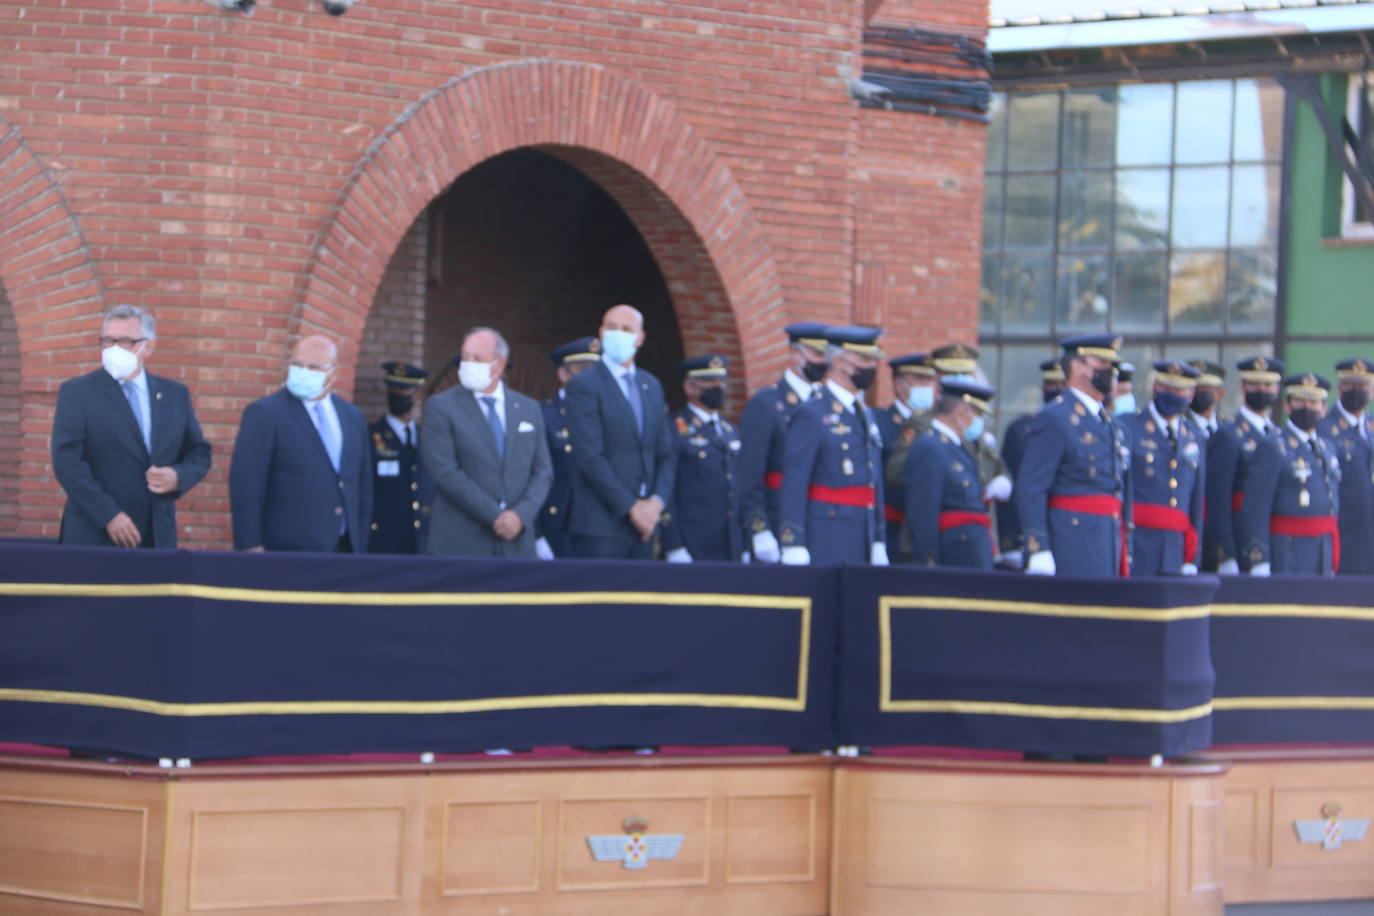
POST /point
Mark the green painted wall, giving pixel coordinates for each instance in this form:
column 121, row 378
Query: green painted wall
column 1330, row 287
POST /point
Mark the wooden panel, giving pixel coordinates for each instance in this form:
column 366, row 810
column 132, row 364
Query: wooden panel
column 771, row 838
column 74, row 852
column 1206, row 824
column 689, row 817
column 491, row 847
column 292, row 857
column 1242, row 844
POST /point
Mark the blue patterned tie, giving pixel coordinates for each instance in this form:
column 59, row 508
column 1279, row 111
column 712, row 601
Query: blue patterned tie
column 636, row 402
column 331, row 441
column 498, row 429
column 136, row 405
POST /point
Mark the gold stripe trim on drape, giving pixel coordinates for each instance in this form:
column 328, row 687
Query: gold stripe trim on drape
column 1042, row 711
column 1225, row 704
column 997, row 606
column 1327, row 611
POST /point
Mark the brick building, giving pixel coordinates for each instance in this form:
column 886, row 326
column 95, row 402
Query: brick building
column 414, row 167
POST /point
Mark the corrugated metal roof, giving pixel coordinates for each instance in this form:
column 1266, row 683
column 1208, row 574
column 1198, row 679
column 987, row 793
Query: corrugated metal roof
column 1020, row 13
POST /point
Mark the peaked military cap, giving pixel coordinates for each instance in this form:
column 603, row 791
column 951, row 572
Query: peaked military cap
column 855, row 338
column 582, row 350
column 401, row 374
column 1355, row 368
column 1103, row 346
column 917, row 364
column 955, row 359
column 1175, row 373
column 1306, row 385
column 712, row 365
column 1209, row 373
column 1261, row 369
column 970, row 392
column 1125, row 371
column 1051, row 371
column 809, row 333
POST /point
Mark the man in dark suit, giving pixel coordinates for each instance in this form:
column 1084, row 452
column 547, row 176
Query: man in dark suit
column 300, row 478
column 484, row 445
column 705, row 521
column 569, row 359
column 402, row 491
column 622, row 445
column 125, row 444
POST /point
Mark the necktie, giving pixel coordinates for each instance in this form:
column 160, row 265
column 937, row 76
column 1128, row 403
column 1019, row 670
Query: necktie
column 498, row 430
column 1173, row 436
column 636, row 402
column 135, row 404
column 327, row 436
column 410, row 442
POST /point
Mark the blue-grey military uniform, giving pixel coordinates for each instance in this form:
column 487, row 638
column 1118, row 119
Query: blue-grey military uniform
column 1290, row 477
column 1073, row 452
column 1356, row 455
column 889, row 420
column 1168, row 472
column 553, row 517
column 705, row 515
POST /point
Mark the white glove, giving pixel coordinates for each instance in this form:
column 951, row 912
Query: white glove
column 1041, row 563
column 1013, row 559
column 766, row 547
column 1188, row 569
column 542, row 550
column 1228, row 568
column 877, row 554
column 1260, row 569
column 999, row 489
column 679, row 555
column 796, row 556
column 989, row 439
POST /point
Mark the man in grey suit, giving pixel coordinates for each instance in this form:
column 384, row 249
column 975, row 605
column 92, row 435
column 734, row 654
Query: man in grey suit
column 485, row 448
column 125, row 443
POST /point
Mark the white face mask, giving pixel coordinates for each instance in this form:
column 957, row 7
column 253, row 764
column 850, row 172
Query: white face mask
column 474, row 376
column 122, row 364
column 306, row 384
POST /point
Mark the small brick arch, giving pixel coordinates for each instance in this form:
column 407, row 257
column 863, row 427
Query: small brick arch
column 662, row 172
column 50, row 292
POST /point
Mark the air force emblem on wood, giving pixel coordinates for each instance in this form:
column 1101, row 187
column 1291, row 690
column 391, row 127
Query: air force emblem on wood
column 636, row 847
column 1332, row 830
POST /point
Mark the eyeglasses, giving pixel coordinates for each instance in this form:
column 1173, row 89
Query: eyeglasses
column 127, row 343
column 317, row 367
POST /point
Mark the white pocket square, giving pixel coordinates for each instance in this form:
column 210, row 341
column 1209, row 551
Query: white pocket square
column 525, row 427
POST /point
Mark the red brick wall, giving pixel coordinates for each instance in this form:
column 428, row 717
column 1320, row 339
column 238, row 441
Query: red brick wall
column 249, row 178
column 10, row 444
column 396, row 324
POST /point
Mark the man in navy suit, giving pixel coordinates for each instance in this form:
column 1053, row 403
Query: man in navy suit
column 622, row 445
column 569, row 359
column 300, row 478
column 125, row 444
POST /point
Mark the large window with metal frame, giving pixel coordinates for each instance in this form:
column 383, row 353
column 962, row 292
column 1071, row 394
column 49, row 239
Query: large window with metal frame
column 1150, row 210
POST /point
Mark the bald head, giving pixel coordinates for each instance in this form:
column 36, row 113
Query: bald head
column 623, row 321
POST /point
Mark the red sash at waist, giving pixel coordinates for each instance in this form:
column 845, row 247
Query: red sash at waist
column 772, row 480
column 950, row 520
column 1237, row 500
column 1310, row 526
column 1097, row 504
column 1167, row 518
column 893, row 514
column 862, row 497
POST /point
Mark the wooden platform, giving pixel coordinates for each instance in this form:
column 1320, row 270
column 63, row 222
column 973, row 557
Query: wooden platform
column 758, row 838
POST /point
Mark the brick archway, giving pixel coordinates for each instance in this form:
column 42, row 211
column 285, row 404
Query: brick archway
column 50, row 290
column 665, row 175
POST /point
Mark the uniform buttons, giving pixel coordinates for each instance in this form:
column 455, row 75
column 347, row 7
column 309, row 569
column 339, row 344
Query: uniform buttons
column 374, row 526
column 340, row 484
column 553, row 510
column 414, row 486
column 729, row 476
column 1173, row 463
column 338, row 510
column 568, row 447
column 1173, row 483
column 844, row 446
column 1073, row 522
column 1173, row 500
column 417, row 523
column 415, row 504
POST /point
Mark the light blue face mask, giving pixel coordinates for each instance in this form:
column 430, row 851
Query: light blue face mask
column 974, row 430
column 919, row 399
column 1124, row 404
column 618, row 345
column 306, row 384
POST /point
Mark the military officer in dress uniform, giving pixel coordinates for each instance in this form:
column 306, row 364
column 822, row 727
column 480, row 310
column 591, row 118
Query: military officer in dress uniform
column 402, row 492
column 1074, row 492
column 913, row 391
column 1205, row 411
column 704, row 521
column 945, row 513
column 1013, row 451
column 1292, row 491
column 552, row 528
column 763, row 432
column 1168, row 476
column 832, row 478
column 1229, row 452
column 1349, row 428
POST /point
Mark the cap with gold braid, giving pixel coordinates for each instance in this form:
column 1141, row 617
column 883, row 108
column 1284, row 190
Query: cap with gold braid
column 582, row 350
column 1355, row 368
column 401, row 374
column 1176, row 374
column 1261, row 369
column 807, row 333
column 856, row 339
column 1051, row 371
column 712, row 365
column 1103, row 346
column 955, row 359
column 970, row 392
column 1209, row 373
column 916, row 365
column 1307, row 385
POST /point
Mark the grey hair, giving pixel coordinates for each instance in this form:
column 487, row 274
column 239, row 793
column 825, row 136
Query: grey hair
column 502, row 348
column 149, row 325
